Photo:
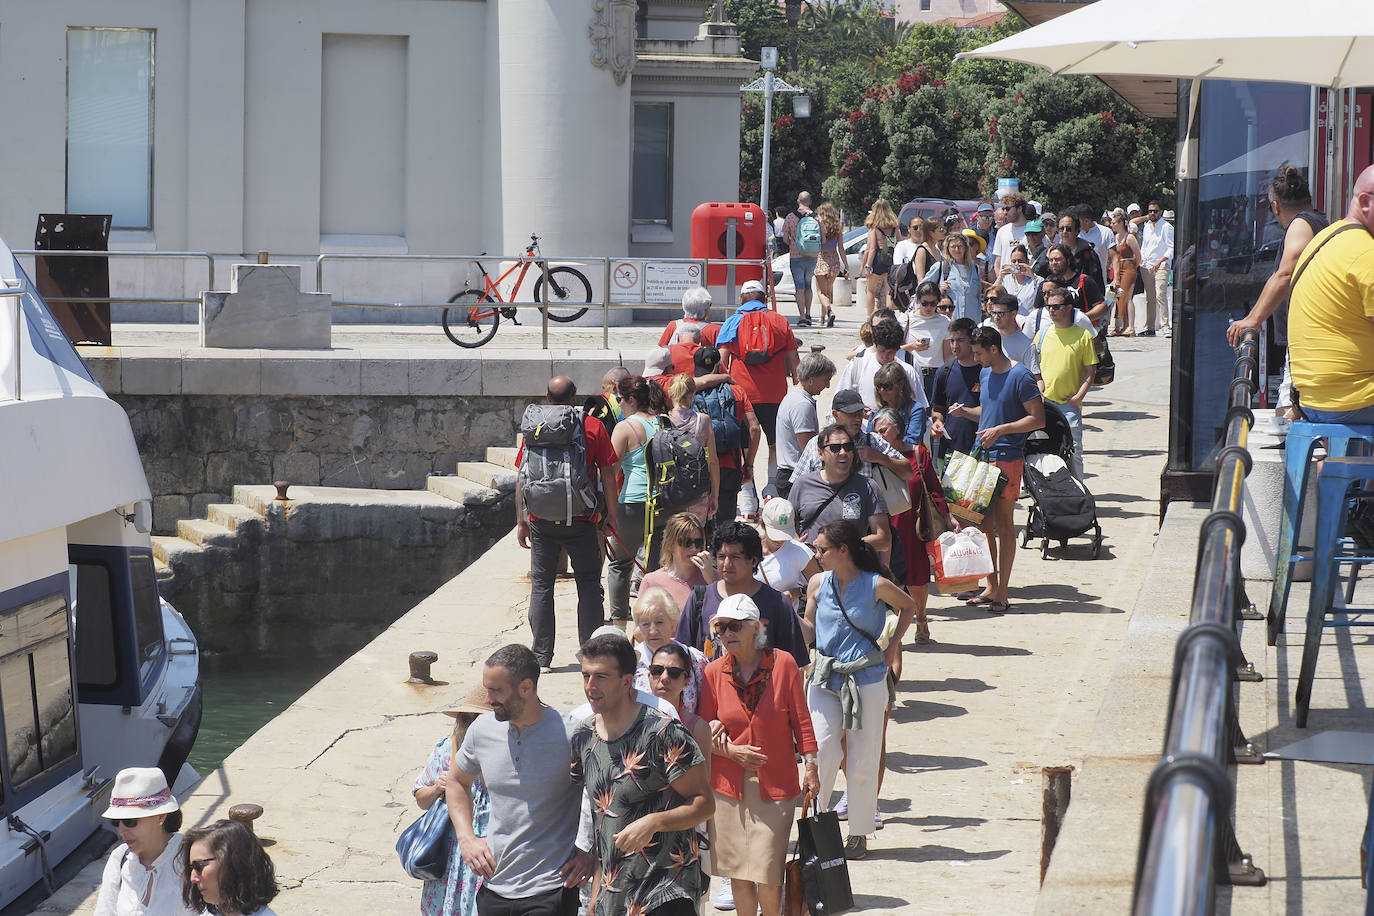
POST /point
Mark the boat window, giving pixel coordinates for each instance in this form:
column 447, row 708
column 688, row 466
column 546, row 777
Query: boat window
column 147, row 613
column 36, row 689
column 89, row 584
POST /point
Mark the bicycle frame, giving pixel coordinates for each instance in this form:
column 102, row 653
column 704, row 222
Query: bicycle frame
column 493, row 287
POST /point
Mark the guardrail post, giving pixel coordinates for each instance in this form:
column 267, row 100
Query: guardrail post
column 544, row 312
column 606, row 306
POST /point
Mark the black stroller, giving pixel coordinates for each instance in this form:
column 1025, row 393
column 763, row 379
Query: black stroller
column 1061, row 506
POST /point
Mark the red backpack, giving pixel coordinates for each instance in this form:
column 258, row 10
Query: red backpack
column 754, row 339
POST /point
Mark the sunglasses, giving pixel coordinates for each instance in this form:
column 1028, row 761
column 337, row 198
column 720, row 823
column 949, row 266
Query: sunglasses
column 837, row 447
column 1056, row 305
column 1068, row 228
column 198, row 865
column 944, row 308
column 129, row 822
column 693, row 542
column 728, row 626
column 1003, row 312
column 929, row 301
column 1152, row 210
column 882, row 386
column 673, row 670
column 989, row 298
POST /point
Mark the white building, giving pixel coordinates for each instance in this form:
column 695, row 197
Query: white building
column 925, row 11
column 402, row 126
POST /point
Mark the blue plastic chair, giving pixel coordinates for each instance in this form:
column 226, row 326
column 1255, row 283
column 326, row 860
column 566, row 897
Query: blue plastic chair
column 1328, row 554
column 1341, row 441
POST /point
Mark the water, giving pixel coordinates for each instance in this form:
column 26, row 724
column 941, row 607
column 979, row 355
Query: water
column 244, row 691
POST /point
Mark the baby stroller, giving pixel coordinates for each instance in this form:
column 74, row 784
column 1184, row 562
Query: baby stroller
column 1061, row 506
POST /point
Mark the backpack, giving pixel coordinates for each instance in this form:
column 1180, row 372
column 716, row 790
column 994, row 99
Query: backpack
column 902, row 284
column 808, row 236
column 554, row 479
column 679, row 466
column 718, row 403
column 754, row 339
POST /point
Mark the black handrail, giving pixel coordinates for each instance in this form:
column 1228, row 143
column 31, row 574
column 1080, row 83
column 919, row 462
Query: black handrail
column 1187, row 843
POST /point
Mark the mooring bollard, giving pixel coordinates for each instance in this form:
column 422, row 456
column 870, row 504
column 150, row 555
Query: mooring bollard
column 245, row 814
column 281, row 486
column 419, row 667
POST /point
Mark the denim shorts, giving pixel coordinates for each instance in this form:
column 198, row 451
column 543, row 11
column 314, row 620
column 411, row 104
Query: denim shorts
column 1361, row 415
column 803, row 269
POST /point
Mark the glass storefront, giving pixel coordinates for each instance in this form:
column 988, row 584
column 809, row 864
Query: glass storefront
column 1225, row 242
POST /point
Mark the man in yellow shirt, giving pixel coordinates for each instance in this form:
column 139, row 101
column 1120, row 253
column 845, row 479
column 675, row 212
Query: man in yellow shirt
column 1067, row 359
column 1331, row 316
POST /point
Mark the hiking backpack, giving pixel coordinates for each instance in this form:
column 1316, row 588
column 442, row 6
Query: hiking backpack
column 718, row 403
column 754, row 339
column 808, row 236
column 679, row 465
column 554, row 479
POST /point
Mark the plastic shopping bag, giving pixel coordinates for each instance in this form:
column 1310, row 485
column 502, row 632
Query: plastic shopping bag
column 971, row 485
column 960, row 559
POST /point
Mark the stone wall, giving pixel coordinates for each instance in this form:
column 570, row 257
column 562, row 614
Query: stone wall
column 196, row 448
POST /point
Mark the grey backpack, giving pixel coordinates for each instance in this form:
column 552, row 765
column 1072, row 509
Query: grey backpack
column 554, row 479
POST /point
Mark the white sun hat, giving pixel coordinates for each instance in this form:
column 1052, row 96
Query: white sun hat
column 140, row 792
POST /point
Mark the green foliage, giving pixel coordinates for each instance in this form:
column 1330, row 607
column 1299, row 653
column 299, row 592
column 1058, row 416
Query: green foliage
column 894, row 115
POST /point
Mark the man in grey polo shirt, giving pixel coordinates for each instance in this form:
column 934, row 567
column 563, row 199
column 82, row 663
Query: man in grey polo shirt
column 797, row 420
column 528, row 861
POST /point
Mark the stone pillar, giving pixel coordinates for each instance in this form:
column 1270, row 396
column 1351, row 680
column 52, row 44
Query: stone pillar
column 565, row 127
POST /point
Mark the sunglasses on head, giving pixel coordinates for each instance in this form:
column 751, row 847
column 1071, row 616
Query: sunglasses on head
column 837, row 447
column 673, row 670
column 728, row 626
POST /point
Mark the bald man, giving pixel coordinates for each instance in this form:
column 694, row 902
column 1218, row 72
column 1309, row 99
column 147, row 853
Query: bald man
column 1331, row 316
column 581, row 536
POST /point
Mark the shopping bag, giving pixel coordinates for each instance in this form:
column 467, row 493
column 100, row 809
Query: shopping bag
column 896, row 493
column 960, row 558
column 824, row 871
column 424, row 845
column 971, row 485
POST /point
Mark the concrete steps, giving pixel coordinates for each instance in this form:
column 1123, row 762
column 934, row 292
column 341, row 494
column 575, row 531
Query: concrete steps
column 502, row 456
column 491, row 476
column 231, row 515
column 203, row 532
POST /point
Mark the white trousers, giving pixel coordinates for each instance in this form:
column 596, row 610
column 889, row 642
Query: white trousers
column 865, row 747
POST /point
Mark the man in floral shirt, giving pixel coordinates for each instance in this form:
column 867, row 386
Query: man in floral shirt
column 648, row 784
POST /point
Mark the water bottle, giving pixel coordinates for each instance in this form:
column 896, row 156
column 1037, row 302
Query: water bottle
column 748, row 501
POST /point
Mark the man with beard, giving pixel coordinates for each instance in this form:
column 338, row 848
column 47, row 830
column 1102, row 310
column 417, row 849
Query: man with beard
column 643, row 836
column 528, row 862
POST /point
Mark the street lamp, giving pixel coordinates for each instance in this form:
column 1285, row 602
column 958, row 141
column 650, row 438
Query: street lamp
column 768, row 84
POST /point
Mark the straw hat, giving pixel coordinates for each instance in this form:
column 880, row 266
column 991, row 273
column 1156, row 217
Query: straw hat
column 140, row 792
column 976, row 240
column 474, row 704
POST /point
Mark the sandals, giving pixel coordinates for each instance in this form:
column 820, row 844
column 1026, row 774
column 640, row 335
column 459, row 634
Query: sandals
column 978, row 601
column 998, row 607
column 923, row 633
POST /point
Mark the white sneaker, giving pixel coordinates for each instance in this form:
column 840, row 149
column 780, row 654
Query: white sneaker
column 842, row 809
column 725, row 900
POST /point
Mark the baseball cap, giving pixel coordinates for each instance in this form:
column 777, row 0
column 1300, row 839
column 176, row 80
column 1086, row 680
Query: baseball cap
column 779, row 519
column 1034, row 225
column 750, row 286
column 1133, row 208
column 705, row 360
column 985, row 208
column 847, row 400
column 737, row 607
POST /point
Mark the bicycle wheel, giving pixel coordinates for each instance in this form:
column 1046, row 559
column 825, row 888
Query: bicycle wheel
column 472, row 320
column 568, row 293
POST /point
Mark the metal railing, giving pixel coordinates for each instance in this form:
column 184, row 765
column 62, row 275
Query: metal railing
column 16, row 294
column 126, row 255
column 602, row 265
column 1188, row 842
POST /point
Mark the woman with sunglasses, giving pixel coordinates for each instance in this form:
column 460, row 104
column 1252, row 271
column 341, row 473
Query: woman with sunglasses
column 927, row 334
column 957, row 274
column 892, row 388
column 656, row 615
column 455, row 893
column 226, row 872
column 1017, row 278
column 683, row 560
column 759, row 724
column 140, row 874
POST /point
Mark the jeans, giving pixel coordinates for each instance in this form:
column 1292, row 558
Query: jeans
column 583, row 543
column 1075, row 417
column 625, row 544
column 803, row 269
column 1361, row 415
column 864, row 748
column 559, row 902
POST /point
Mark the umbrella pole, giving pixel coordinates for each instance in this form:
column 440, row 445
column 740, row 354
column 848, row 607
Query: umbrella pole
column 1335, row 153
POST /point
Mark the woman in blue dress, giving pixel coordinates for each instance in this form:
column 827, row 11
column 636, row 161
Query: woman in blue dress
column 454, row 894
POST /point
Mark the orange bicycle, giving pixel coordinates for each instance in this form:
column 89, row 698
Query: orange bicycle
column 472, row 316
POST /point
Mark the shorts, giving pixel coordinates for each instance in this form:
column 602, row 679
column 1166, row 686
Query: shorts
column 1359, row 416
column 767, row 415
column 1012, row 469
column 803, row 269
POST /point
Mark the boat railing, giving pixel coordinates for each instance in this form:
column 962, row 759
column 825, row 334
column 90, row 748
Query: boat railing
column 14, row 309
column 1188, row 842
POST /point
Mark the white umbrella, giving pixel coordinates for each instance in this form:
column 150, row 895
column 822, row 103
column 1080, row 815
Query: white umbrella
column 1328, row 43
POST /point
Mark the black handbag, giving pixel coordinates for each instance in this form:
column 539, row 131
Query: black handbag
column 424, row 846
column 824, row 871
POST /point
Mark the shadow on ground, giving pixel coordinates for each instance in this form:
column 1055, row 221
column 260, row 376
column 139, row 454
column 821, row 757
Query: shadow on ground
column 921, row 711
column 904, row 762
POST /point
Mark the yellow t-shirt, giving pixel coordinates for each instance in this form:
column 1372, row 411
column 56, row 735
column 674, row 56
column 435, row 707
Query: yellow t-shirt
column 1064, row 354
column 1330, row 335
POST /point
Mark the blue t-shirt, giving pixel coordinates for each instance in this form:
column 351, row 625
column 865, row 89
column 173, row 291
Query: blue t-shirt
column 1004, row 396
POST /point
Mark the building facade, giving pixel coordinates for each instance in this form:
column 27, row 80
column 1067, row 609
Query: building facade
column 370, row 126
column 928, row 11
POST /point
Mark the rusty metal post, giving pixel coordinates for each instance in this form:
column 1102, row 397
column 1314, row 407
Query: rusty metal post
column 281, row 486
column 1056, row 789
column 419, row 667
column 262, row 257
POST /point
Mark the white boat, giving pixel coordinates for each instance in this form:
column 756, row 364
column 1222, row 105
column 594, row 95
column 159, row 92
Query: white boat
column 97, row 673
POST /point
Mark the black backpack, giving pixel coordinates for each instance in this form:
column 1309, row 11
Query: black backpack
column 679, row 466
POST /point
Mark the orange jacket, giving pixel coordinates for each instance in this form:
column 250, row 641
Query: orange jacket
column 780, row 726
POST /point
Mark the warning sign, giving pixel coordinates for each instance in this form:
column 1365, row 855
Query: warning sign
column 665, row 283
column 627, row 281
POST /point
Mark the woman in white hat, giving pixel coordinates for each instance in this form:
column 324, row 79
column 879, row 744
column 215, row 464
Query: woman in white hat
column 140, row 877
column 787, row 564
column 455, row 894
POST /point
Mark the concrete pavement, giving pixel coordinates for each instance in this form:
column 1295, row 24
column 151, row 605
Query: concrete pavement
column 980, row 712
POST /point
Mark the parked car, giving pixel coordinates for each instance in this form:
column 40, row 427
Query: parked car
column 925, row 208
column 853, row 253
